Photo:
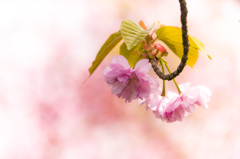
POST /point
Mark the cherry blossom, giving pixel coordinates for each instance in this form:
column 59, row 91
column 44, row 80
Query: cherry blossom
column 174, row 107
column 129, row 83
column 201, row 94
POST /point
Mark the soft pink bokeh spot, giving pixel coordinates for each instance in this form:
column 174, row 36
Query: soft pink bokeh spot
column 46, row 112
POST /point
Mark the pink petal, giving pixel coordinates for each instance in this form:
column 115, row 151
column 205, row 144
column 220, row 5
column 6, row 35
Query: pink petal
column 119, row 59
column 204, row 96
column 184, row 87
column 143, row 66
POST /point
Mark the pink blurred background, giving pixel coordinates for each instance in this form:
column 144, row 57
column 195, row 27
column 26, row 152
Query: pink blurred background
column 46, row 112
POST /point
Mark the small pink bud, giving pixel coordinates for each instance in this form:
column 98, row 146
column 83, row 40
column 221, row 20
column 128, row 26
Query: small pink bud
column 161, row 48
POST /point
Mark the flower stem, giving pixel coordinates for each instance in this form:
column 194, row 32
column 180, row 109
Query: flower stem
column 179, row 91
column 164, row 88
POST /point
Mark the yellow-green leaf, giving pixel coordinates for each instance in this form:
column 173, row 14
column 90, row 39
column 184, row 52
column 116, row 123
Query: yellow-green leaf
column 172, row 37
column 131, row 55
column 199, row 45
column 132, row 33
column 111, row 42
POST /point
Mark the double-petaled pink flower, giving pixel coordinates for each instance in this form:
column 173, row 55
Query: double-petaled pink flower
column 130, row 83
column 174, row 107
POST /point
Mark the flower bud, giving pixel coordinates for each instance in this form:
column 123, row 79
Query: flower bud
column 161, row 48
column 142, row 24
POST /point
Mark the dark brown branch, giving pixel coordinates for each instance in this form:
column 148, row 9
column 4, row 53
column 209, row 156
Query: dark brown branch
column 184, row 11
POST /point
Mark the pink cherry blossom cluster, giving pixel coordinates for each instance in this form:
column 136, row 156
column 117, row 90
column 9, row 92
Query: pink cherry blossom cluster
column 130, row 84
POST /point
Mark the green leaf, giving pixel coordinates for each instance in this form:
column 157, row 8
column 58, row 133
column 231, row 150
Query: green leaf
column 111, row 42
column 199, row 45
column 172, row 37
column 131, row 55
column 132, row 33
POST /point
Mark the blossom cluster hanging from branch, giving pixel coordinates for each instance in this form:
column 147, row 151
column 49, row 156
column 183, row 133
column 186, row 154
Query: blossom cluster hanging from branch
column 127, row 74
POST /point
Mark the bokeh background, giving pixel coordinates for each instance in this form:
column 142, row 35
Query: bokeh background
column 46, row 112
